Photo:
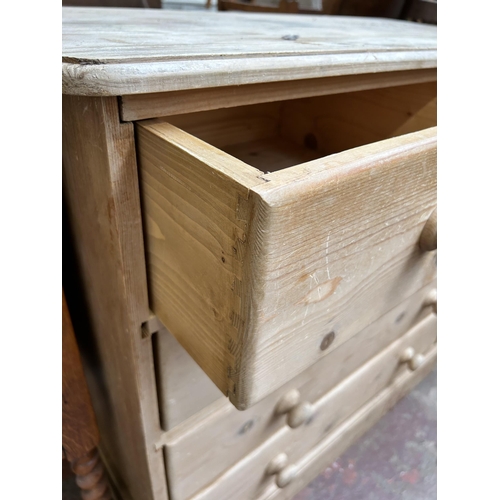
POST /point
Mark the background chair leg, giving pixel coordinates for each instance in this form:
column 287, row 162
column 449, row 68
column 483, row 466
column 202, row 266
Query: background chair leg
column 91, row 477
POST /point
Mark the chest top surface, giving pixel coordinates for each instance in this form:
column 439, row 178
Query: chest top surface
column 110, row 51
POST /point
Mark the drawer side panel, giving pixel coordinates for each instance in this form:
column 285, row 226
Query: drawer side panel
column 196, row 210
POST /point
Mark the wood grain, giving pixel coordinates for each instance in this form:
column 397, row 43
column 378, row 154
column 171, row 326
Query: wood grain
column 222, row 435
column 332, row 446
column 119, row 51
column 383, row 375
column 154, row 105
column 101, row 189
column 428, row 238
column 183, row 388
column 355, row 243
column 79, row 426
column 295, row 254
column 195, row 205
column 91, row 477
column 346, row 121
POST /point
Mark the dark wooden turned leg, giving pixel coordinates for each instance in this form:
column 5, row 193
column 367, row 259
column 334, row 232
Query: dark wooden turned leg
column 90, row 476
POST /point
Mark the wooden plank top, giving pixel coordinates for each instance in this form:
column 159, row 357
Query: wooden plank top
column 110, row 51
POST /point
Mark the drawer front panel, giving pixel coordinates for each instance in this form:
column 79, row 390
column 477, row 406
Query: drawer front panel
column 333, row 445
column 339, row 418
column 200, row 450
column 254, row 271
column 351, row 254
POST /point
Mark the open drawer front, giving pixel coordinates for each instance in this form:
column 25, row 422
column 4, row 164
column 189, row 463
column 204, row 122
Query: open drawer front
column 275, row 232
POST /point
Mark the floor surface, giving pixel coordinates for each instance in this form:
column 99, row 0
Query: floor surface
column 395, row 460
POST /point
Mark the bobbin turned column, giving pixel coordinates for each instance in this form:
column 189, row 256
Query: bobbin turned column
column 80, row 435
column 91, row 477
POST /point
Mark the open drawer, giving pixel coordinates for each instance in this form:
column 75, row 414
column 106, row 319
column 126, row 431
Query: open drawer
column 275, row 232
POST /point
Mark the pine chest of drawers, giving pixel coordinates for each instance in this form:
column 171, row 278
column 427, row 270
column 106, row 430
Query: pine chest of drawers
column 252, row 200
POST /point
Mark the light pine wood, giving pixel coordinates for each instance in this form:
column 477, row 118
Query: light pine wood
column 355, row 243
column 142, row 106
column 277, row 464
column 287, row 402
column 299, row 415
column 102, row 195
column 428, row 238
column 196, row 212
column 275, row 136
column 218, row 222
column 120, row 52
column 230, row 127
column 183, row 388
column 286, row 476
column 345, row 121
column 384, row 378
column 431, row 300
column 332, row 446
column 222, row 435
column 256, row 258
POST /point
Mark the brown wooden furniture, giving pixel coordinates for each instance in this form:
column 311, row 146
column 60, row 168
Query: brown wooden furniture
column 284, row 6
column 147, row 4
column 255, row 225
column 422, row 11
column 80, row 435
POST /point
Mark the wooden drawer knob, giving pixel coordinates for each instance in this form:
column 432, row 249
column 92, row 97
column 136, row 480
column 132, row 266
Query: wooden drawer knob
column 416, row 362
column 288, row 401
column 413, row 360
column 299, row 414
column 428, row 237
column 277, row 464
column 284, row 473
column 431, row 300
column 286, row 476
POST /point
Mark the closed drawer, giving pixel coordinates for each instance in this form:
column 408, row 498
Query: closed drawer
column 203, row 448
column 364, row 396
column 270, row 228
column 333, row 445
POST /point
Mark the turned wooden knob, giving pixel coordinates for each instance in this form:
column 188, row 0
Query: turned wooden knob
column 431, row 300
column 412, row 359
column 428, row 237
column 277, row 464
column 299, row 414
column 286, row 476
column 408, row 353
column 288, row 401
column 416, row 362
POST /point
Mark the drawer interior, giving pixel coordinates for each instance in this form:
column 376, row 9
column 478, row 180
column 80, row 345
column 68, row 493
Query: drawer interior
column 277, row 135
